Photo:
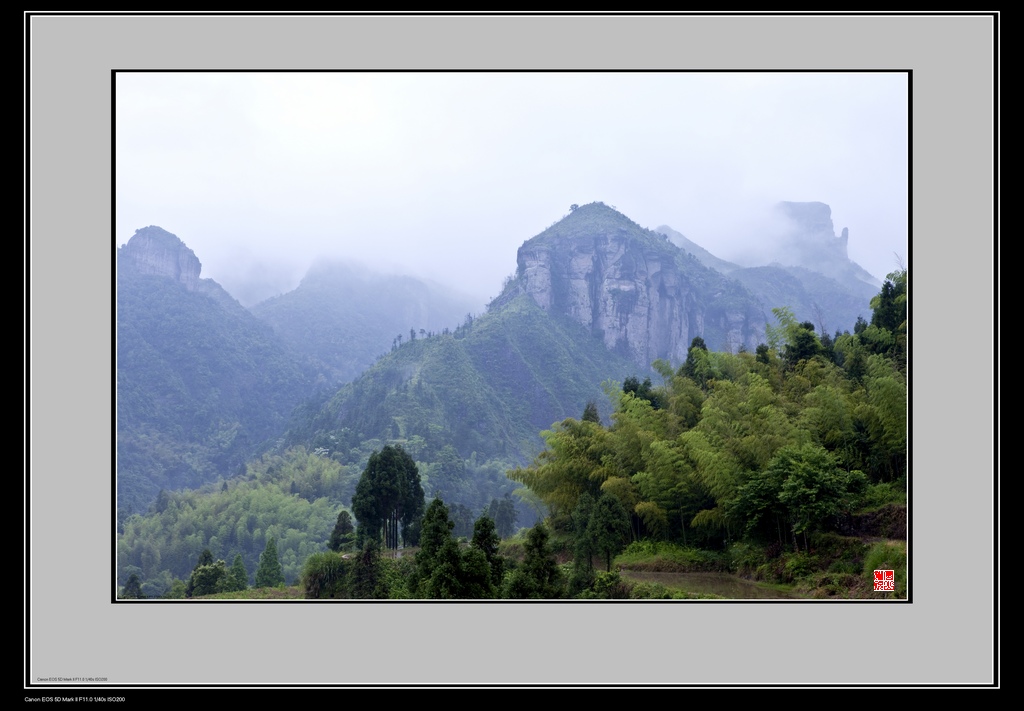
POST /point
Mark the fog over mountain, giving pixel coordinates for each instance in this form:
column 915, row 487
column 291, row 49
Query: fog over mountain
column 443, row 175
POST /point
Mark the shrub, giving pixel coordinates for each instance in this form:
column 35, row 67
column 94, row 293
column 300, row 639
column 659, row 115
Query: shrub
column 324, row 576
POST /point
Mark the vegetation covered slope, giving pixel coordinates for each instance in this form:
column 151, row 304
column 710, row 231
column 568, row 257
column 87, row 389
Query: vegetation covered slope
column 768, row 449
column 201, row 385
column 344, row 317
column 486, row 388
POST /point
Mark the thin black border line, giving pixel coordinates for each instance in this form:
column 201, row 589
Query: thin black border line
column 26, row 329
column 113, row 327
column 114, row 592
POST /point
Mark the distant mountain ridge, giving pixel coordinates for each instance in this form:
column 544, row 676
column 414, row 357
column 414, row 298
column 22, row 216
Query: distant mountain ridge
column 344, row 317
column 810, row 272
column 203, row 383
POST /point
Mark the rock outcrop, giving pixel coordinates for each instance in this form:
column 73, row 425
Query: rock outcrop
column 153, row 250
column 632, row 287
column 811, row 243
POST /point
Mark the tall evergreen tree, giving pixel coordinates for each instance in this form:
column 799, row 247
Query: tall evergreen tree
column 132, row 589
column 436, row 531
column 486, row 540
column 537, row 577
column 341, row 536
column 269, row 573
column 608, row 528
column 583, row 546
column 389, row 497
column 238, row 576
column 504, row 515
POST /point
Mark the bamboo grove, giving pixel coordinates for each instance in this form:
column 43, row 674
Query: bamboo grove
column 768, row 446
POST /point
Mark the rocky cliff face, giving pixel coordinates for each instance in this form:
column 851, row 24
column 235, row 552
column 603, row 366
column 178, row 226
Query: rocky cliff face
column 642, row 295
column 152, row 250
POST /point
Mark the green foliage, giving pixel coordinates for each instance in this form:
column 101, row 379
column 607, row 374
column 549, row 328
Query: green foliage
column 366, row 579
column 813, row 488
column 343, row 535
column 201, row 385
column 436, row 532
column 269, row 573
column 794, row 341
column 132, row 589
column 609, row 586
column 882, row 493
column 488, row 388
column 538, row 576
column 760, row 449
column 164, row 544
column 487, row 541
column 573, row 464
column 445, row 570
column 325, row 575
column 888, row 555
column 177, row 591
column 238, row 576
column 208, row 577
column 666, row 556
column 503, row 513
column 608, row 528
column 389, row 497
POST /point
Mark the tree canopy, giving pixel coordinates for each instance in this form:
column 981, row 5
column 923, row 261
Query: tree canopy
column 389, row 498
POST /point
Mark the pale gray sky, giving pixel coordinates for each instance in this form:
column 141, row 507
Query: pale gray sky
column 445, row 175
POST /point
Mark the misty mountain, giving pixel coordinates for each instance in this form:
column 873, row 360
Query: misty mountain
column 805, row 268
column 488, row 388
column 344, row 317
column 631, row 287
column 703, row 256
column 595, row 298
column 202, row 384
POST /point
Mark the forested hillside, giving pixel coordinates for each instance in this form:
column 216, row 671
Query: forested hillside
column 201, row 383
column 344, row 317
column 523, row 453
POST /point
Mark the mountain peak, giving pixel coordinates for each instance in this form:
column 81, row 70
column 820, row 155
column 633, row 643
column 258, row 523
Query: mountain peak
column 632, row 287
column 811, row 242
column 154, row 250
column 597, row 220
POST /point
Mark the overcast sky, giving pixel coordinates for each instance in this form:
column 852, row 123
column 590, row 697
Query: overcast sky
column 445, row 175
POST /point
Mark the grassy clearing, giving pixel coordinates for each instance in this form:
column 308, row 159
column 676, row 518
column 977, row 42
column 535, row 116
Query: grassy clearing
column 660, row 556
column 292, row 592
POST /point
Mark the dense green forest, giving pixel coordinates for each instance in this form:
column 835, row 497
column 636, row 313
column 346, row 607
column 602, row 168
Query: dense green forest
column 201, row 385
column 787, row 465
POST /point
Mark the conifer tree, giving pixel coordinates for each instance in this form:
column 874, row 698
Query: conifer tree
column 238, row 576
column 132, row 589
column 269, row 573
column 537, row 577
column 389, row 494
column 341, row 536
column 608, row 528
